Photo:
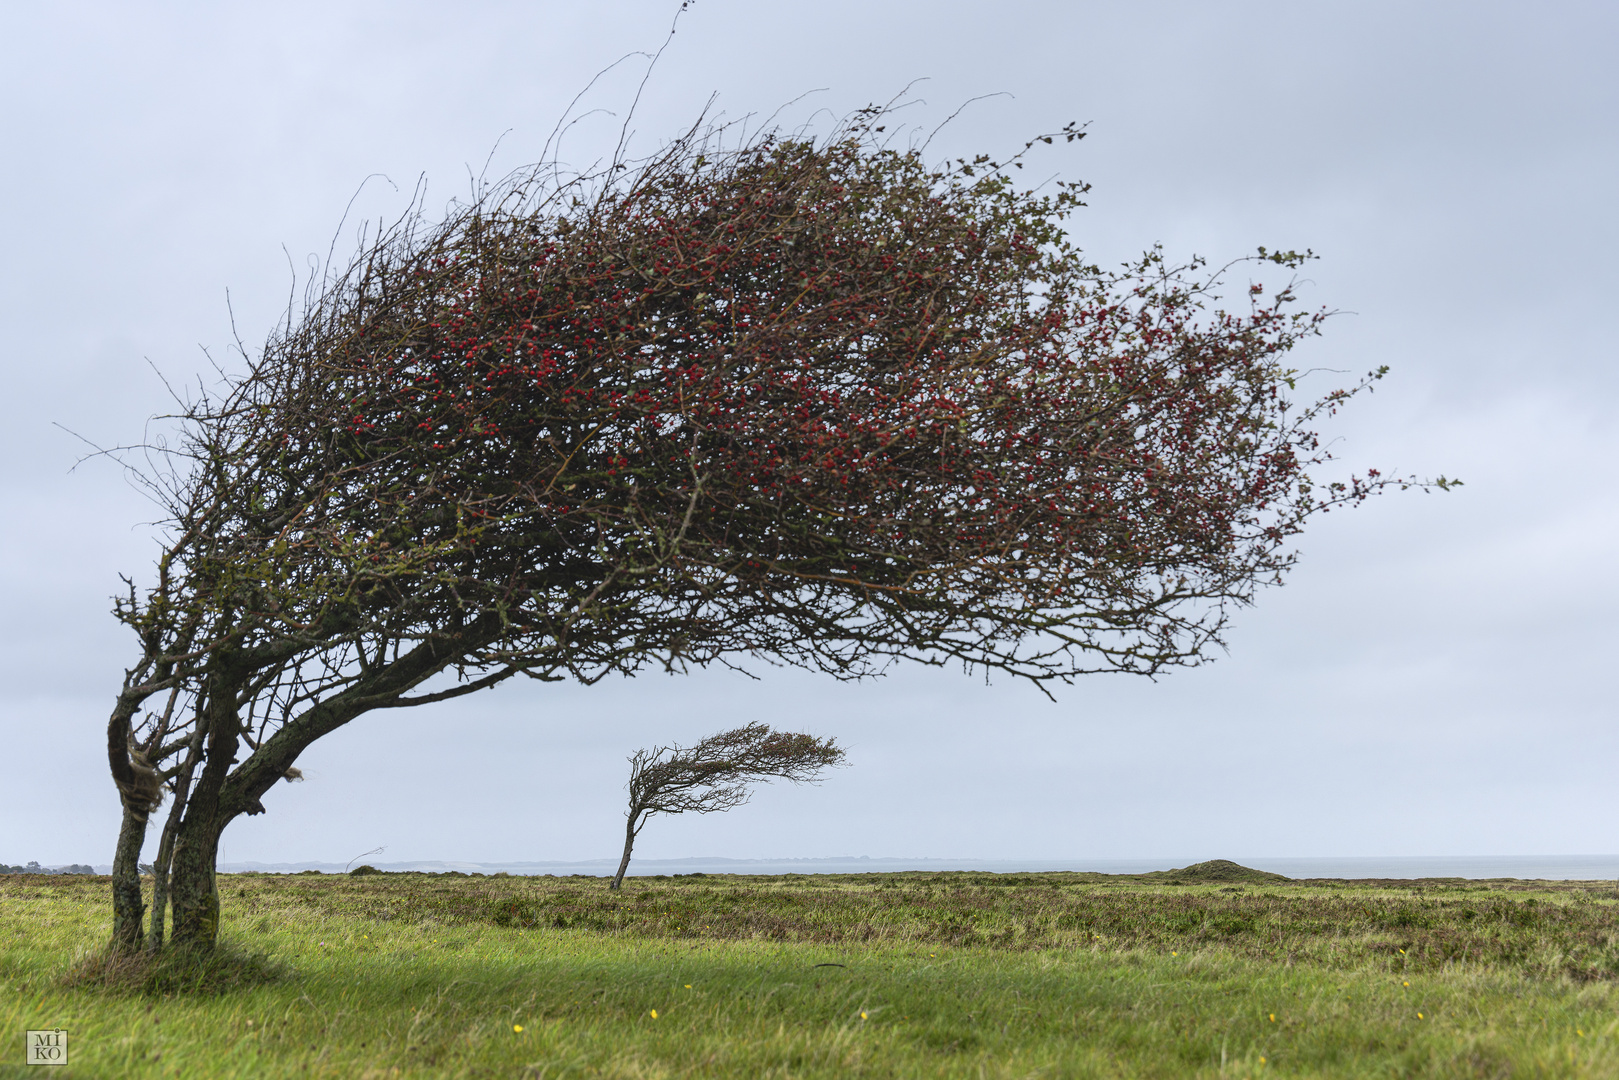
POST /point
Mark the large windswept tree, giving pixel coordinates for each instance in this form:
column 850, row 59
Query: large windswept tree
column 814, row 401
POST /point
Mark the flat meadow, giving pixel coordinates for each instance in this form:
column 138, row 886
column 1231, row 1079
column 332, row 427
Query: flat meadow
column 1215, row 971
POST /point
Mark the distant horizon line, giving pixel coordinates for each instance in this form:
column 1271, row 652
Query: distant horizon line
column 1582, row 867
column 613, row 860
column 1585, row 866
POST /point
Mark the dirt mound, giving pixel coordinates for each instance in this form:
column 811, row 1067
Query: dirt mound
column 1216, row 870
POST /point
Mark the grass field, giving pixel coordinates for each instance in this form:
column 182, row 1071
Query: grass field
column 902, row 975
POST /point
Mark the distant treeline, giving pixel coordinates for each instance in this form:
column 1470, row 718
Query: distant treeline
column 35, row 868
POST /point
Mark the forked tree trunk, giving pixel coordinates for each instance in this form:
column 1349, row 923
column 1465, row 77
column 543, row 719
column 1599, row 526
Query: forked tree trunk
column 190, row 844
column 128, row 909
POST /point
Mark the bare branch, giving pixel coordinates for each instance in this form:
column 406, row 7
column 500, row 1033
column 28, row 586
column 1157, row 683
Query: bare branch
column 715, row 774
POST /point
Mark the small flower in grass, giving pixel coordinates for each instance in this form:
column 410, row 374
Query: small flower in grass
column 862, row 1014
column 518, row 1028
column 1419, row 1016
column 688, row 986
column 654, row 1014
column 1405, row 984
column 1273, row 1018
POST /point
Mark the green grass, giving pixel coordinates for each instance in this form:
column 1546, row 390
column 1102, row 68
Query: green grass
column 906, row 975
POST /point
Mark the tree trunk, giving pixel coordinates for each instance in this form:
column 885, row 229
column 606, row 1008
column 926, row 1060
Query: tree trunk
column 629, row 842
column 193, row 892
column 127, row 906
column 160, row 875
column 160, row 893
column 165, row 848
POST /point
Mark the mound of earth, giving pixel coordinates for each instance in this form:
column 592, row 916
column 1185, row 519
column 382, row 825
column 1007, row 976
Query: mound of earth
column 1216, row 870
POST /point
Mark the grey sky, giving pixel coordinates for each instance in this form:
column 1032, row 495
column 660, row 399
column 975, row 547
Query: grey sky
column 1431, row 679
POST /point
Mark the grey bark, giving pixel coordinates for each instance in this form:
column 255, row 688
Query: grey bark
column 193, row 891
column 165, row 847
column 128, row 909
column 630, row 829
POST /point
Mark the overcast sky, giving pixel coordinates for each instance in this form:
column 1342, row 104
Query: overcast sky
column 1436, row 678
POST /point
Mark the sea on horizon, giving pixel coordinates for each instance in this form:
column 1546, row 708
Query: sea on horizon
column 1523, row 867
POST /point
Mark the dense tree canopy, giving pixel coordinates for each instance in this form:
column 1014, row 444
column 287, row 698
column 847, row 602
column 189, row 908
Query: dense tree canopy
column 813, row 401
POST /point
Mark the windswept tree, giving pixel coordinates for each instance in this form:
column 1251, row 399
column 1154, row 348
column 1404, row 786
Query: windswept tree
column 815, row 402
column 716, row 774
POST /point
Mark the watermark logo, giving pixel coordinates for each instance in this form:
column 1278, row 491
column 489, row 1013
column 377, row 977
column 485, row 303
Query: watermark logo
column 47, row 1047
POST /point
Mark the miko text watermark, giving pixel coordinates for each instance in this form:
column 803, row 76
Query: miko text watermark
column 47, row 1047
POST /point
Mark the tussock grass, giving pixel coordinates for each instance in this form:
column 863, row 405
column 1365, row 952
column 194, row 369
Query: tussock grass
column 226, row 969
column 899, row 975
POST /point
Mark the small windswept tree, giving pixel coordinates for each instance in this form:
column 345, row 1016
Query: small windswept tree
column 715, row 774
